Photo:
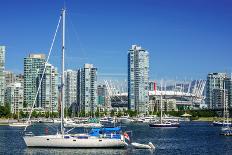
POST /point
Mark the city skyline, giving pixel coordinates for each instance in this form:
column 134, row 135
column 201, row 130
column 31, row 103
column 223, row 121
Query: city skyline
column 180, row 36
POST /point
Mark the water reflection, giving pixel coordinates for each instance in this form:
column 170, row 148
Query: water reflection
column 129, row 151
column 31, row 151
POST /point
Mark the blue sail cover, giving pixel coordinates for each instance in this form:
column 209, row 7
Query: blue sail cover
column 109, row 132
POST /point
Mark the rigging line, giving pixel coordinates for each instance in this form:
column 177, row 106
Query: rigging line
column 78, row 39
column 40, row 82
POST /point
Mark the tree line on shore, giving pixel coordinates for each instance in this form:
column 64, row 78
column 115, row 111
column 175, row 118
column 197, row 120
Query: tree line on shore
column 5, row 113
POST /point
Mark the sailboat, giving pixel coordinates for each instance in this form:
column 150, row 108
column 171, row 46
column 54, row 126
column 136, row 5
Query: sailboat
column 225, row 121
column 226, row 128
column 164, row 123
column 96, row 138
column 20, row 124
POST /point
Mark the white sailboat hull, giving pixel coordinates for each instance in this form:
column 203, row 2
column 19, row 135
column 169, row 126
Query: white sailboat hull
column 60, row 142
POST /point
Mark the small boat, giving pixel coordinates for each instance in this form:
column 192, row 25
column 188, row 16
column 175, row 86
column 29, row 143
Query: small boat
column 45, row 120
column 91, row 123
column 218, row 123
column 125, row 120
column 143, row 146
column 226, row 131
column 82, row 125
column 19, row 124
column 164, row 125
column 106, row 120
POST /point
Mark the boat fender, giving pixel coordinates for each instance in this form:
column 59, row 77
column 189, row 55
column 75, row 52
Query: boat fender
column 151, row 145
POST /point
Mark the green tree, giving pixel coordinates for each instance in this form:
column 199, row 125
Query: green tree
column 105, row 112
column 34, row 114
column 119, row 113
column 47, row 113
column 5, row 111
column 21, row 114
column 15, row 116
column 97, row 114
column 112, row 113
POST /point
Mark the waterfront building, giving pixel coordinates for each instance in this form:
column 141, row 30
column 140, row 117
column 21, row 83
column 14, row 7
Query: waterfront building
column 168, row 104
column 70, row 87
column 14, row 97
column 87, row 93
column 228, row 85
column 101, row 93
column 219, row 100
column 48, row 94
column 138, row 84
column 2, row 75
column 9, row 78
column 214, row 81
column 32, row 65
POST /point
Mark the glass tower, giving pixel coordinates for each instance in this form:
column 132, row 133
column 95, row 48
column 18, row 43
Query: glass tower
column 2, row 75
column 214, row 81
column 32, row 66
column 48, row 94
column 138, row 79
column 87, row 93
column 70, row 87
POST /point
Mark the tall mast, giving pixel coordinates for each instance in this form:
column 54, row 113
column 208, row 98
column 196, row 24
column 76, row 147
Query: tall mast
column 161, row 103
column 62, row 79
column 224, row 103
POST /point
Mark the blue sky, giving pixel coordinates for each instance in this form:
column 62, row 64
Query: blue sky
column 185, row 38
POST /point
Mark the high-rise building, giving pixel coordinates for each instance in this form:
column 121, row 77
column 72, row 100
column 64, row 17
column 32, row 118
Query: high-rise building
column 14, row 97
column 9, row 78
column 2, row 76
column 219, row 99
column 48, row 93
column 87, row 92
column 214, row 81
column 101, row 93
column 32, row 66
column 228, row 85
column 138, row 84
column 70, row 86
column 20, row 79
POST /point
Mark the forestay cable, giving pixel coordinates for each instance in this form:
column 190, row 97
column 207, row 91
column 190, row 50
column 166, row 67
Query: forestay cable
column 40, row 82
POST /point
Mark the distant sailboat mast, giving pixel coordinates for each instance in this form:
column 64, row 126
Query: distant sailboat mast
column 161, row 103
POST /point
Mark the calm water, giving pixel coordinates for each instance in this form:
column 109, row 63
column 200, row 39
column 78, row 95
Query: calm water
column 190, row 138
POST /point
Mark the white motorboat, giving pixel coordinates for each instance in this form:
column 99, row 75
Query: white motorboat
column 56, row 120
column 143, row 146
column 19, row 124
column 148, row 119
column 218, row 123
column 125, row 120
column 164, row 125
column 97, row 138
column 83, row 125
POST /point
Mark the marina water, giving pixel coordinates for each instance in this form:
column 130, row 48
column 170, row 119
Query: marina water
column 191, row 138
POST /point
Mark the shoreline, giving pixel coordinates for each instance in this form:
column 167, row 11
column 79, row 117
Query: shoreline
column 209, row 119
